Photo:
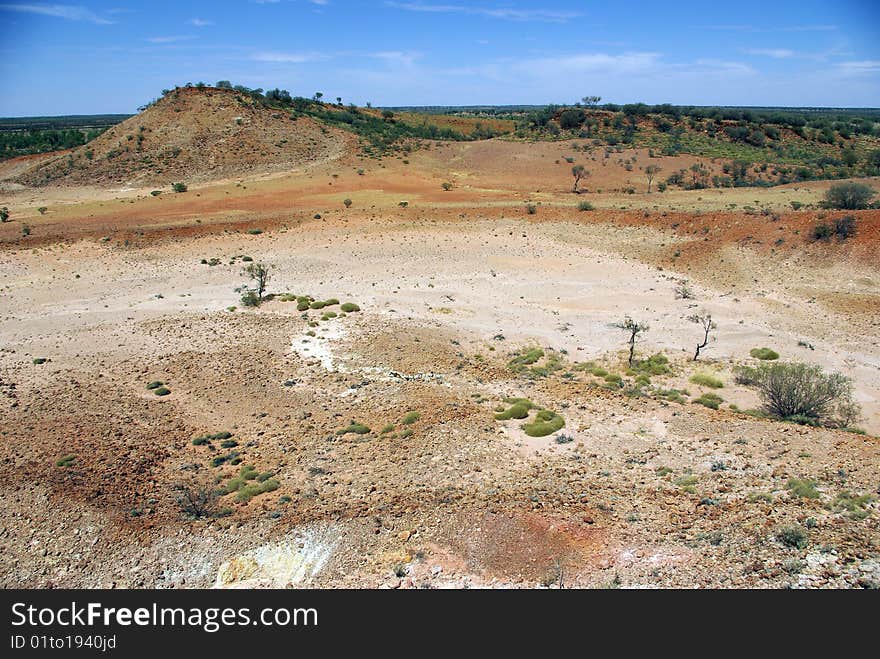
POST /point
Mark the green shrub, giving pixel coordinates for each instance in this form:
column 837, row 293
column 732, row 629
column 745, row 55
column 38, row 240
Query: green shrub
column 354, row 427
column 706, row 380
column 855, row 505
column 526, row 358
column 796, row 390
column 250, row 299
column 406, row 433
column 162, row 391
column 655, row 365
column 765, row 354
column 410, row 417
column 519, row 409
column 179, row 187
column 65, row 461
column 531, row 209
column 349, row 307
column 387, row 429
column 319, row 304
column 37, row 361
column 793, row 536
column 803, row 488
column 709, row 400
column 155, row 384
column 546, row 422
column 586, row 206
column 845, row 227
column 848, row 196
column 822, row 231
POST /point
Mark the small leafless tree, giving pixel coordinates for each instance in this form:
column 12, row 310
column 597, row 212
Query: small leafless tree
column 704, row 320
column 578, row 172
column 651, row 171
column 260, row 274
column 591, row 101
column 196, row 498
column 633, row 328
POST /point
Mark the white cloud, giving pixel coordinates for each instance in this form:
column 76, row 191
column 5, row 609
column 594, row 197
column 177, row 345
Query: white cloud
column 782, row 28
column 718, row 66
column 860, row 68
column 396, row 57
column 289, row 58
column 200, row 22
column 504, row 13
column 627, row 63
column 775, row 53
column 171, row 39
column 69, row 12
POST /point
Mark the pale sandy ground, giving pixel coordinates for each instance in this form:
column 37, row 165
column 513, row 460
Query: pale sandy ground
column 467, row 500
column 559, row 285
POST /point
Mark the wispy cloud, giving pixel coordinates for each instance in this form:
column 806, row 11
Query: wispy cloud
column 396, row 57
column 290, row 58
column 171, row 39
column 775, row 53
column 69, row 12
column 503, row 13
column 200, row 22
column 718, row 66
column 320, row 2
column 626, row 63
column 864, row 67
column 758, row 28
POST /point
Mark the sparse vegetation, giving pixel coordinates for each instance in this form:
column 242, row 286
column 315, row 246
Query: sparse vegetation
column 710, row 400
column 546, row 422
column 196, row 499
column 802, row 488
column 848, row 196
column 793, row 536
column 765, row 354
column 804, row 393
column 65, row 461
column 354, row 428
column 705, row 379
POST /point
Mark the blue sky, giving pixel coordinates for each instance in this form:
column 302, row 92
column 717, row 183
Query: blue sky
column 112, row 56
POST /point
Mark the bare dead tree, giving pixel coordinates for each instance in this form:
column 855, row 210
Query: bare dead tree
column 196, row 498
column 634, row 329
column 704, row 320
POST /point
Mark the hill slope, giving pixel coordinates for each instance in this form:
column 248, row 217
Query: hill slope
column 194, row 134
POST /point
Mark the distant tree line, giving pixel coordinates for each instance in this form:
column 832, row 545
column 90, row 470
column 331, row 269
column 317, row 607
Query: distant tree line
column 27, row 142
